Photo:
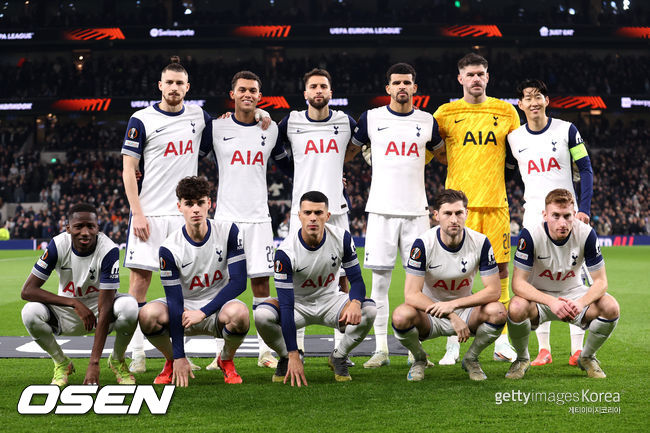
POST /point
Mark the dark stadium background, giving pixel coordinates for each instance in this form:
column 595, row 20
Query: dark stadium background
column 74, row 71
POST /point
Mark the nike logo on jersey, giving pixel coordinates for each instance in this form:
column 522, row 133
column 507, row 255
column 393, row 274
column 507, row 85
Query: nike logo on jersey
column 543, row 258
column 458, row 120
column 186, row 264
column 381, row 129
column 522, row 150
column 433, row 267
column 301, row 269
column 227, row 138
column 160, row 129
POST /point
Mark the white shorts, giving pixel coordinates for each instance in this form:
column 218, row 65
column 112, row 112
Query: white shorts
column 336, row 220
column 442, row 327
column 144, row 255
column 259, row 248
column 385, row 234
column 546, row 315
column 207, row 326
column 64, row 321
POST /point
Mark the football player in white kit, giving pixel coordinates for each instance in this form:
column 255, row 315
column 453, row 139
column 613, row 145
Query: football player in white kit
column 88, row 264
column 319, row 138
column 544, row 149
column 163, row 142
column 397, row 204
column 243, row 151
column 547, row 284
column 438, row 288
column 203, row 270
column 307, row 266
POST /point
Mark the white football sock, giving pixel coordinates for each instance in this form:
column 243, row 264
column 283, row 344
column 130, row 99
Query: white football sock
column 577, row 337
column 543, row 333
column 380, row 286
column 599, row 331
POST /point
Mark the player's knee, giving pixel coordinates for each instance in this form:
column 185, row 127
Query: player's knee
column 403, row 316
column 33, row 313
column 265, row 314
column 369, row 311
column 238, row 318
column 125, row 308
column 609, row 308
column 148, row 318
column 496, row 313
column 518, row 309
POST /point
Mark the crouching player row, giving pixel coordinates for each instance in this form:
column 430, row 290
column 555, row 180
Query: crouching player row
column 548, row 286
column 438, row 288
column 87, row 263
column 203, row 270
column 307, row 267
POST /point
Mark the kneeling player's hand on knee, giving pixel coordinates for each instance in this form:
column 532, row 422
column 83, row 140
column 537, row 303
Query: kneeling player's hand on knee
column 441, row 309
column 352, row 314
column 182, row 372
column 576, row 306
column 86, row 315
column 461, row 328
column 562, row 310
column 192, row 317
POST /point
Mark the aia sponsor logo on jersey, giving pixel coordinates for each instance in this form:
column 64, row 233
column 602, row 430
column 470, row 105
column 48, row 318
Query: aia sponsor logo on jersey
column 248, row 159
column 402, row 150
column 480, row 138
column 205, row 281
column 558, row 276
column 78, row 291
column 543, row 167
column 319, row 282
column 454, row 286
column 179, row 149
column 321, row 147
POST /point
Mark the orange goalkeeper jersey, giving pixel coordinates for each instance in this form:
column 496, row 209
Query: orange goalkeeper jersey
column 475, row 140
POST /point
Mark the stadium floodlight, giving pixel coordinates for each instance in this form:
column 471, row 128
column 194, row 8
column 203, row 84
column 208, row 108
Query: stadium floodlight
column 626, row 5
column 572, row 11
column 457, row 3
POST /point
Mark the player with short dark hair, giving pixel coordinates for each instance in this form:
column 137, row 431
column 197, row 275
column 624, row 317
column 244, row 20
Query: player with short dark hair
column 243, row 151
column 438, row 288
column 306, row 278
column 547, row 283
column 87, row 262
column 397, row 204
column 319, row 138
column 474, row 129
column 203, row 270
column 545, row 150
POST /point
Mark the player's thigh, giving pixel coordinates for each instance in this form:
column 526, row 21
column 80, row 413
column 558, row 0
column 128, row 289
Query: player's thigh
column 68, row 322
column 259, row 248
column 144, row 254
column 492, row 312
column 411, row 228
column 442, row 327
column 382, row 238
column 606, row 307
column 496, row 226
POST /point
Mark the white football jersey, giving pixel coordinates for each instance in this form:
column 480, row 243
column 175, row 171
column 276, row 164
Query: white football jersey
column 449, row 273
column 243, row 152
column 318, row 148
column 170, row 145
column 201, row 268
column 314, row 272
column 544, row 159
column 398, row 143
column 555, row 266
column 81, row 277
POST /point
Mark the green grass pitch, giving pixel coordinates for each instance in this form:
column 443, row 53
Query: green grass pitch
column 376, row 400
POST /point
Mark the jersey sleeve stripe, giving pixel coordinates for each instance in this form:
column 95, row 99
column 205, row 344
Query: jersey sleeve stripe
column 237, row 258
column 109, row 286
column 414, row 272
column 488, row 272
column 283, row 285
column 523, row 267
column 169, row 283
column 40, row 274
column 129, row 152
column 351, row 263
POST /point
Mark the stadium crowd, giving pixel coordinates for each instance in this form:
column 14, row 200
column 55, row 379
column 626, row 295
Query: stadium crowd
column 41, row 13
column 93, row 173
column 131, row 75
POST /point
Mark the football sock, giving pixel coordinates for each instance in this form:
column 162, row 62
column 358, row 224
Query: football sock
column 599, row 331
column 380, row 286
column 125, row 310
column 267, row 322
column 263, row 348
column 35, row 316
column 162, row 342
column 410, row 338
column 218, row 344
column 486, row 334
column 338, row 336
column 355, row 334
column 232, row 341
column 543, row 333
column 451, row 342
column 519, row 333
column 300, row 339
column 505, row 298
column 577, row 337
